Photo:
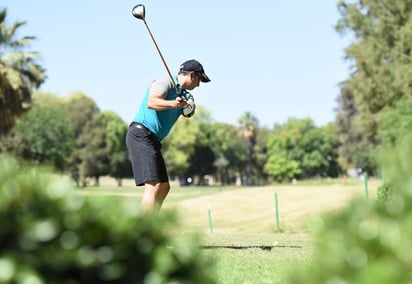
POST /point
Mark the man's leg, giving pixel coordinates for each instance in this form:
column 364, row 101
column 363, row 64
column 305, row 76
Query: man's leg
column 154, row 194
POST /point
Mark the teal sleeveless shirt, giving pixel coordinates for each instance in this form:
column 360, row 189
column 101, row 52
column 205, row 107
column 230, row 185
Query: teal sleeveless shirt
column 160, row 122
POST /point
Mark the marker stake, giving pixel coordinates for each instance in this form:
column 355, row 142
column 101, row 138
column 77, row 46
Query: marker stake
column 277, row 211
column 210, row 220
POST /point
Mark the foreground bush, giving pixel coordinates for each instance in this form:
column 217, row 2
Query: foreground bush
column 49, row 234
column 385, row 191
column 369, row 242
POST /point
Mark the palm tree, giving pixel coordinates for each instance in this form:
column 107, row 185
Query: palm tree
column 20, row 74
column 249, row 125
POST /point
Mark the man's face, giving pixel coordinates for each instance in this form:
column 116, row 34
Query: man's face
column 194, row 80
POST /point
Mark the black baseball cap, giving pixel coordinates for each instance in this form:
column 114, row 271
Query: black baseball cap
column 194, row 65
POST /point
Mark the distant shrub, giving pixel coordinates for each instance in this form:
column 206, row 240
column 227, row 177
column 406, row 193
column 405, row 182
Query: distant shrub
column 368, row 242
column 49, row 234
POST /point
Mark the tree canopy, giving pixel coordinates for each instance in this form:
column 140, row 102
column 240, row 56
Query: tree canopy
column 380, row 55
column 299, row 149
column 20, row 72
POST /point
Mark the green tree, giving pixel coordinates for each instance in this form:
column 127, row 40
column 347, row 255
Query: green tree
column 202, row 159
column 199, row 147
column 20, row 72
column 380, row 55
column 93, row 150
column 221, row 164
column 229, row 151
column 281, row 164
column 116, row 130
column 81, row 111
column 395, row 123
column 179, row 146
column 12, row 143
column 16, row 143
column 281, row 168
column 317, row 151
column 329, row 149
column 300, row 149
column 249, row 125
column 261, row 155
column 348, row 130
column 47, row 136
column 48, row 100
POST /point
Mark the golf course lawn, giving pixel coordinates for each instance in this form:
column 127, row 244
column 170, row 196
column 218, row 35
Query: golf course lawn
column 240, row 230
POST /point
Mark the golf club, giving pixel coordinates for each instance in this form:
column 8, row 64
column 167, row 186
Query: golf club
column 139, row 12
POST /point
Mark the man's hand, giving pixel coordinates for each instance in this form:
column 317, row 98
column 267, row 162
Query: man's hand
column 189, row 109
column 181, row 102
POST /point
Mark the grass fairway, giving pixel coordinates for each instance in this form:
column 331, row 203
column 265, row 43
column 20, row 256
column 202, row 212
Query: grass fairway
column 262, row 258
column 245, row 244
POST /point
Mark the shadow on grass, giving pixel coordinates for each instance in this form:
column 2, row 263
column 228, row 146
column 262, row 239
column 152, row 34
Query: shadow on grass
column 248, row 247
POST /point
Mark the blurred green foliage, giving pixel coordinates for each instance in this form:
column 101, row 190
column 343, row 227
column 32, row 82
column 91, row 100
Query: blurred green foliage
column 385, row 191
column 370, row 241
column 51, row 234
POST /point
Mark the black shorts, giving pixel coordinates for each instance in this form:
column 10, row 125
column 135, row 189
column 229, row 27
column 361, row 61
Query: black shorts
column 144, row 152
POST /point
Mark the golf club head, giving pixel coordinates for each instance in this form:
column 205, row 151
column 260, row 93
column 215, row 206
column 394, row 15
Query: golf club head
column 139, row 12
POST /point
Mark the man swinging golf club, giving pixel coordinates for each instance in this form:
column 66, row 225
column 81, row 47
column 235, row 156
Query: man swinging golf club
column 165, row 100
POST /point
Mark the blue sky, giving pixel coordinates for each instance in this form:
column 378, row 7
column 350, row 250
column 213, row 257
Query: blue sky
column 275, row 59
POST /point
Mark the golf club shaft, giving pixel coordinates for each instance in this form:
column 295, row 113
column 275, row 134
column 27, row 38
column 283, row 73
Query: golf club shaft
column 164, row 61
